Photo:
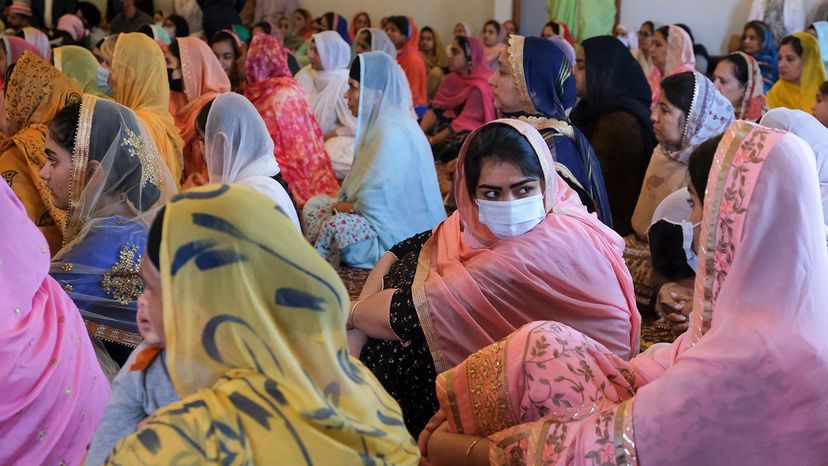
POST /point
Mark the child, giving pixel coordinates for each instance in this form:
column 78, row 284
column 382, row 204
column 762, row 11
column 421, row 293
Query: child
column 143, row 384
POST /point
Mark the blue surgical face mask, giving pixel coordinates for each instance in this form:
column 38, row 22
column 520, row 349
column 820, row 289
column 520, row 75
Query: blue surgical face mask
column 102, row 79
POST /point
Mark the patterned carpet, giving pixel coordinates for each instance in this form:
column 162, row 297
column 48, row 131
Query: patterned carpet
column 652, row 331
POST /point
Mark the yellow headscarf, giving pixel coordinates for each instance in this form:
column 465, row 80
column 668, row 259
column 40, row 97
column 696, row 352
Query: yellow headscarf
column 81, row 66
column 36, row 91
column 140, row 76
column 802, row 97
column 255, row 327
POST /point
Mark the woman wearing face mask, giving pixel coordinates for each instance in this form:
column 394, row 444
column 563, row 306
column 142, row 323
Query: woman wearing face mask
column 800, row 73
column 441, row 295
column 524, row 88
column 672, row 53
column 391, row 191
column 436, row 59
column 754, row 352
column 690, row 111
column 463, row 103
column 739, row 78
column 35, row 92
column 492, row 38
column 196, row 73
column 80, row 65
column 103, row 53
column 758, row 42
column 176, row 26
column 105, row 173
column 140, row 82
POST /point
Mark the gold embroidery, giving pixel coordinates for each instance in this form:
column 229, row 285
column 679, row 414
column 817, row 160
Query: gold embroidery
column 123, row 282
column 147, row 154
column 77, row 169
column 516, row 60
column 8, row 176
column 67, row 267
column 67, row 288
column 541, row 123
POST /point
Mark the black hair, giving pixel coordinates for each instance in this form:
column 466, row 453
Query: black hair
column 740, row 67
column 370, row 37
column 182, row 28
column 264, row 26
column 91, row 14
column 329, row 17
column 401, row 22
column 153, row 246
column 795, row 43
column 502, row 143
column 679, row 89
column 100, row 43
column 175, row 49
column 687, row 30
column 9, row 72
column 823, row 88
column 650, row 25
column 355, row 69
column 465, row 46
column 203, row 114
column 699, row 163
column 147, row 29
column 20, row 34
column 64, row 126
column 760, row 30
column 556, row 28
column 494, row 24
column 224, row 36
column 664, row 31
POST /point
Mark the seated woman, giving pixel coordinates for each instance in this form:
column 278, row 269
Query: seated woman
column 439, row 296
column 800, row 73
column 229, row 50
column 104, row 171
column 34, row 93
column 197, row 74
column 256, row 372
column 391, row 192
column 38, row 39
column 81, row 66
column 139, row 81
column 280, row 100
column 53, row 388
column 672, row 53
column 704, row 399
column 759, row 43
column 239, row 149
column 739, row 79
column 11, row 50
column 334, row 22
column 690, row 111
column 525, row 88
column 325, row 81
column 463, row 102
column 557, row 28
column 406, row 38
column 435, row 57
column 614, row 115
column 371, row 40
column 493, row 43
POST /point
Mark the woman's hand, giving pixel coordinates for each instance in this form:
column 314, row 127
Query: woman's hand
column 437, row 422
column 674, row 303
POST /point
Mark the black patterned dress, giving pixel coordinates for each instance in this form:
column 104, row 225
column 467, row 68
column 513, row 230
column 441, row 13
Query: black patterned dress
column 405, row 368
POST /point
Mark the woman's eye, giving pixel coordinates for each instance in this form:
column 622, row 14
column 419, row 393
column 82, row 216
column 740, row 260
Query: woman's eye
column 525, row 190
column 490, row 194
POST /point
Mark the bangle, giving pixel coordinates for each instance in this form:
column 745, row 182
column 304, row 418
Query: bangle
column 350, row 324
column 471, row 447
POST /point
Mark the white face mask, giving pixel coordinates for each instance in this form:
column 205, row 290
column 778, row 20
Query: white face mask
column 511, row 218
column 170, row 32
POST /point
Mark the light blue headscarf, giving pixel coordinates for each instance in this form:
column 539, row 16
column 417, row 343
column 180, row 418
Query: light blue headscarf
column 392, row 182
column 821, row 28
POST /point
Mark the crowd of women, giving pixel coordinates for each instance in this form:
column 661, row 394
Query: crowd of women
column 176, row 210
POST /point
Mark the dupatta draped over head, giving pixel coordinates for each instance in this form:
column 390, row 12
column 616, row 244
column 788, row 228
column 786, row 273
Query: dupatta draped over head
column 392, row 182
column 240, row 150
column 339, row 25
column 80, row 65
column 680, row 58
column 472, row 288
column 753, row 104
column 381, row 42
column 802, row 96
column 36, row 91
column 54, row 391
column 204, row 79
column 260, row 361
column 413, row 64
column 710, row 114
column 716, row 390
column 15, row 47
column 767, row 56
column 326, row 88
column 812, row 132
column 40, row 40
column 109, row 214
column 281, row 101
column 141, row 83
column 544, row 79
column 456, row 88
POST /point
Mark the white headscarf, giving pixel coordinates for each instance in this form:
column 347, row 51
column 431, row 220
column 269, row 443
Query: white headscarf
column 380, row 42
column 239, row 149
column 326, row 88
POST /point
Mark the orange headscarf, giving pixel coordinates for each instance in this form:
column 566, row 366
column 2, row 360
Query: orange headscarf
column 204, row 79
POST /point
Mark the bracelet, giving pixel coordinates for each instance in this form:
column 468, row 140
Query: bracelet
column 350, row 324
column 471, row 447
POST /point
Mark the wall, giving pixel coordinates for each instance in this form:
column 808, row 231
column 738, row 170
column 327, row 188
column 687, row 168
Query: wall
column 712, row 21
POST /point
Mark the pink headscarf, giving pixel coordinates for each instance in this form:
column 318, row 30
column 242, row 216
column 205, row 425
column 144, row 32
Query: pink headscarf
column 73, row 25
column 474, row 289
column 680, row 58
column 40, row 40
column 751, row 389
column 15, row 47
column 455, row 88
column 53, row 390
